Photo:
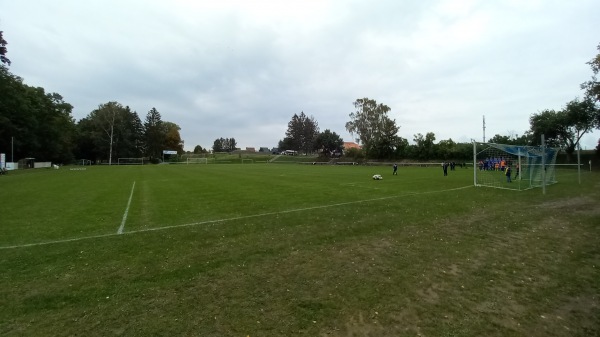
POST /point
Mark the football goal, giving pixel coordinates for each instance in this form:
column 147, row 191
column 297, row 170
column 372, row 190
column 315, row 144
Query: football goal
column 84, row 162
column 196, row 160
column 130, row 161
column 247, row 161
column 529, row 166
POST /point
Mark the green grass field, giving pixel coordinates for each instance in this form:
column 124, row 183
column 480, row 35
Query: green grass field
column 295, row 250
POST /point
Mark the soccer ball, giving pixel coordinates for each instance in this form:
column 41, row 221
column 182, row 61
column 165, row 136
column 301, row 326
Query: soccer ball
column 377, row 177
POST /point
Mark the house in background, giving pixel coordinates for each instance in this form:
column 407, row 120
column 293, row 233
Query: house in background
column 351, row 145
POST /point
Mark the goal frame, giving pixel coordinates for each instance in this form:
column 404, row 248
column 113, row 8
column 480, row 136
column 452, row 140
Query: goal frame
column 196, row 160
column 130, row 161
column 531, row 166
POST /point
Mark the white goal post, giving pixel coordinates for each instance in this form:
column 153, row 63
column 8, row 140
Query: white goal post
column 130, row 161
column 192, row 160
column 513, row 167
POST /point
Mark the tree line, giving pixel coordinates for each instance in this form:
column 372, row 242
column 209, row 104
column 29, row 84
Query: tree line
column 378, row 133
column 36, row 124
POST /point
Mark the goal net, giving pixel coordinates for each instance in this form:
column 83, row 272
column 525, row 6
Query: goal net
column 193, row 160
column 130, row 161
column 84, row 162
column 512, row 166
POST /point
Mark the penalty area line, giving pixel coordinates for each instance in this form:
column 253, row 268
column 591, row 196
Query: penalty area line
column 225, row 219
column 120, row 230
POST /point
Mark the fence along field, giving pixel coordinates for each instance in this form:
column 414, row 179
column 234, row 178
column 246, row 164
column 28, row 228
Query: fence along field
column 275, row 250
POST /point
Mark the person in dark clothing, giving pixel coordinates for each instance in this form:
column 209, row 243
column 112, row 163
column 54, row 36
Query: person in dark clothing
column 445, row 168
column 395, row 173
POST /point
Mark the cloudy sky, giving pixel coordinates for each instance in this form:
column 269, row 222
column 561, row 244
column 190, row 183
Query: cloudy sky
column 243, row 68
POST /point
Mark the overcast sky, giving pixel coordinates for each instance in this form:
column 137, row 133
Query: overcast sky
column 243, row 68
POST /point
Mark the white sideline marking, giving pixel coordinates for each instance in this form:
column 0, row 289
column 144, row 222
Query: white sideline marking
column 120, row 230
column 222, row 220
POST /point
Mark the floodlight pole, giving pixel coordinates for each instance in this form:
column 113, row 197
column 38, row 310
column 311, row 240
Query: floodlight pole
column 12, row 150
column 484, row 128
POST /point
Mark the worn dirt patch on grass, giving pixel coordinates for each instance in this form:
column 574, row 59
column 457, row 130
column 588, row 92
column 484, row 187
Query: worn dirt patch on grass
column 575, row 203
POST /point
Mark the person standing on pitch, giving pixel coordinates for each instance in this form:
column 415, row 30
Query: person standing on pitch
column 445, row 168
column 507, row 172
column 395, row 173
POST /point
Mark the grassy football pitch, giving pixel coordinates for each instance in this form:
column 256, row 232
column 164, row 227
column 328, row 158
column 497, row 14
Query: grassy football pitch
column 295, row 250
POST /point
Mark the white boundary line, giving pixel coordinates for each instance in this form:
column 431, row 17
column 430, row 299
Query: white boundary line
column 120, row 230
column 225, row 219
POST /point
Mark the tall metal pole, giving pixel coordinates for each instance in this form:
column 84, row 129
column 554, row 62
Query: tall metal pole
column 12, row 150
column 543, row 165
column 474, row 163
column 579, row 162
column 484, row 128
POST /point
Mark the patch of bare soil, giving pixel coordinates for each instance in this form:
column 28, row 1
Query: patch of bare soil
column 573, row 204
column 576, row 315
column 368, row 325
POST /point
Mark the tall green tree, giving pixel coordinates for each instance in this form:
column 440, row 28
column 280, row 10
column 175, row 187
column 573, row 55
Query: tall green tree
column 129, row 140
column 301, row 133
column 402, row 149
column 173, row 138
column 512, row 139
column 16, row 117
column 581, row 117
column 386, row 142
column 107, row 116
column 89, row 142
column 592, row 87
column 218, row 145
column 34, row 123
column 59, row 130
column 154, row 134
column 424, row 146
column 198, row 149
column 374, row 128
column 224, row 145
column 287, row 144
column 231, row 144
column 328, row 143
column 566, row 127
column 3, row 50
column 109, row 132
column 446, row 149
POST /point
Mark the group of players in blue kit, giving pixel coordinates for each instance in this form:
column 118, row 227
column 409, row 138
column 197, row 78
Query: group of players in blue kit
column 498, row 164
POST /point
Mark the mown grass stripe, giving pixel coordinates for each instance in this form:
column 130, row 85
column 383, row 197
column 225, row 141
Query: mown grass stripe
column 120, row 232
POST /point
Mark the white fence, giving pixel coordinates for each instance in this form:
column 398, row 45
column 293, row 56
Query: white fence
column 42, row 164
